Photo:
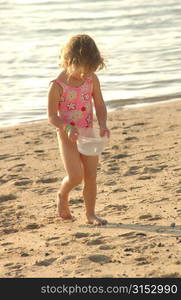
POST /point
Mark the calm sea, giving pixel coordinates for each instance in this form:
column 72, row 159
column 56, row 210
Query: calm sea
column 140, row 40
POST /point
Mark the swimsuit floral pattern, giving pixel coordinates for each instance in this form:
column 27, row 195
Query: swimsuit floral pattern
column 75, row 106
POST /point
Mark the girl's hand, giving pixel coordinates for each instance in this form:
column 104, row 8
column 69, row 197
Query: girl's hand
column 104, row 131
column 73, row 134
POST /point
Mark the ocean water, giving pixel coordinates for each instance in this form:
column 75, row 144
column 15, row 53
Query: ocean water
column 140, row 40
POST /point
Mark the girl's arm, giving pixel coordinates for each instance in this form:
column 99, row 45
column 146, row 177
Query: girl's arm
column 100, row 107
column 54, row 95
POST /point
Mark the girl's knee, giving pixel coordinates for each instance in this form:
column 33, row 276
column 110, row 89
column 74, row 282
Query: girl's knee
column 76, row 179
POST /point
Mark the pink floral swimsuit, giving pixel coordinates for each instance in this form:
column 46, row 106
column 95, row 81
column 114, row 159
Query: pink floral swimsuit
column 75, row 105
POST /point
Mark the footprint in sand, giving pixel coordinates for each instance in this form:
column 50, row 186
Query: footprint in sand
column 3, row 180
column 115, row 127
column 24, row 254
column 152, row 157
column 45, row 262
column 33, row 226
column 7, row 244
column 8, row 231
column 135, row 187
column 8, row 265
column 177, row 169
column 131, row 138
column 95, row 242
column 110, row 183
column 144, row 177
column 106, row 153
column 47, row 180
column 140, row 234
column 154, row 170
column 139, row 124
column 116, row 207
column 142, row 261
column 76, row 201
column 4, row 198
column 99, row 258
column 44, row 190
column 125, row 132
column 127, row 235
column 106, row 247
column 16, row 267
column 132, row 171
column 115, row 147
column 113, row 170
column 53, row 238
column 39, row 151
column 65, row 243
column 23, row 181
column 7, row 136
column 112, row 164
column 17, row 166
column 64, row 259
column 120, row 155
column 129, row 249
column 172, row 127
column 37, row 142
column 80, row 235
column 47, row 134
column 155, row 218
column 120, row 190
column 149, row 217
column 4, row 156
column 15, row 157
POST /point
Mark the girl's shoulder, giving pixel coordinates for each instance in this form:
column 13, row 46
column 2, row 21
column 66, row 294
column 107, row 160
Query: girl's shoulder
column 57, row 82
column 61, row 76
column 61, row 80
column 55, row 85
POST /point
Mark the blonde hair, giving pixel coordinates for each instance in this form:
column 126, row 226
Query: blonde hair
column 81, row 52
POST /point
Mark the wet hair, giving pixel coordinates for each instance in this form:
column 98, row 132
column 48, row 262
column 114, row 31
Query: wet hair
column 81, row 52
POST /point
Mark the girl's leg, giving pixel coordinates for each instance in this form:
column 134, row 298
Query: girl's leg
column 90, row 188
column 73, row 166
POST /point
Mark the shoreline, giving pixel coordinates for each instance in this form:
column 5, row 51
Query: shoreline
column 134, row 104
column 139, row 193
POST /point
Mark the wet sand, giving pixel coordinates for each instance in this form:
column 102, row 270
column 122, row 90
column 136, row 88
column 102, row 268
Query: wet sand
column 139, row 193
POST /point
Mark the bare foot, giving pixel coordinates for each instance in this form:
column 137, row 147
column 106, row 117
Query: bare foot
column 96, row 220
column 62, row 207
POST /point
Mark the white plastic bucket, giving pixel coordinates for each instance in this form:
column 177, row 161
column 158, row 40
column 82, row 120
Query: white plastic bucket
column 90, row 142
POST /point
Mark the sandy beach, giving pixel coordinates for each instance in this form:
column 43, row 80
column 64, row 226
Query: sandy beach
column 139, row 193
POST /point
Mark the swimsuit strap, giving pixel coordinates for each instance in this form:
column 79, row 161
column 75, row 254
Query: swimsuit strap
column 60, row 83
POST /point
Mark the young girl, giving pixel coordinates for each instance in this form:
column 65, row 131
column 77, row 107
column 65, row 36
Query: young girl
column 70, row 108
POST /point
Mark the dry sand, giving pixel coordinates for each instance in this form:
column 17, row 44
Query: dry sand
column 139, row 192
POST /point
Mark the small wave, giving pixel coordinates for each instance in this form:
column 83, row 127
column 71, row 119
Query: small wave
column 113, row 104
